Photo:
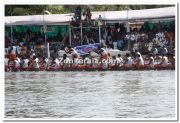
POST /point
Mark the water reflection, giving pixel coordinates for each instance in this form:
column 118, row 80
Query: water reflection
column 124, row 94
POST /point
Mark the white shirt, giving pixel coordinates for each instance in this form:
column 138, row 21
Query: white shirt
column 17, row 64
column 66, row 61
column 25, row 64
column 6, row 51
column 14, row 49
column 155, row 51
column 87, row 61
column 56, row 61
column 76, row 61
column 18, row 60
column 164, row 60
column 104, row 52
column 32, row 55
column 6, row 60
column 36, row 60
column 19, row 49
column 36, row 65
column 140, row 61
column 95, row 62
column 56, row 65
column 165, row 50
column 129, row 61
column 105, row 64
column 119, row 61
column 133, row 37
column 105, row 35
column 74, row 52
column 66, row 49
column 46, row 60
column 110, row 59
column 151, row 61
column 127, row 36
column 138, row 53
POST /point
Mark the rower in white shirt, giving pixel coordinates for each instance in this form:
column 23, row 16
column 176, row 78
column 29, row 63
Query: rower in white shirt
column 36, row 62
column 95, row 63
column 129, row 60
column 151, row 60
column 25, row 62
column 6, row 61
column 164, row 61
column 119, row 60
column 65, row 61
column 139, row 60
column 56, row 61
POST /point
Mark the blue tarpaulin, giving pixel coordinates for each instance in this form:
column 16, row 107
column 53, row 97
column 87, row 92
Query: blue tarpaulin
column 86, row 49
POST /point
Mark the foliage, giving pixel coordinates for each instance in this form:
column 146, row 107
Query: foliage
column 16, row 10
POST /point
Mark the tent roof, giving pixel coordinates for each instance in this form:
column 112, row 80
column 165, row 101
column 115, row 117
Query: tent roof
column 131, row 15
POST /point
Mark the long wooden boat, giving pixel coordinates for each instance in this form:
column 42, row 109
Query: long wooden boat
column 90, row 68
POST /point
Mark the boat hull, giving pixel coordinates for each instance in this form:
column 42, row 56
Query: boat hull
column 89, row 68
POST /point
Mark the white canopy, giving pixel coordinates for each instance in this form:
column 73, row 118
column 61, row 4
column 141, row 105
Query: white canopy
column 120, row 16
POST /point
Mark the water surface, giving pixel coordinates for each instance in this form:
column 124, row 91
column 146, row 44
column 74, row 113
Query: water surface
column 109, row 94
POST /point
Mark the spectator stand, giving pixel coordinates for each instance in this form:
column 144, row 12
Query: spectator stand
column 116, row 30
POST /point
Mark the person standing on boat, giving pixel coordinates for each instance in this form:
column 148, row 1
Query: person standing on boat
column 72, row 51
column 103, row 53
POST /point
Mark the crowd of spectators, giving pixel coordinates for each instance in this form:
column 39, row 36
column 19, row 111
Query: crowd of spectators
column 142, row 40
column 29, row 41
column 114, row 37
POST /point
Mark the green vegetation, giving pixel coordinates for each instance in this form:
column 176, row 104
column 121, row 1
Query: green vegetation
column 17, row 10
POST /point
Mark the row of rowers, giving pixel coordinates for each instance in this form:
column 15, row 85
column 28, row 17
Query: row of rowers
column 103, row 59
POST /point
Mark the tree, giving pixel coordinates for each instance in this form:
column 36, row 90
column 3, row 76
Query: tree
column 17, row 10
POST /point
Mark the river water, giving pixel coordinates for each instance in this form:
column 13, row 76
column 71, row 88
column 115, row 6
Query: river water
column 109, row 94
